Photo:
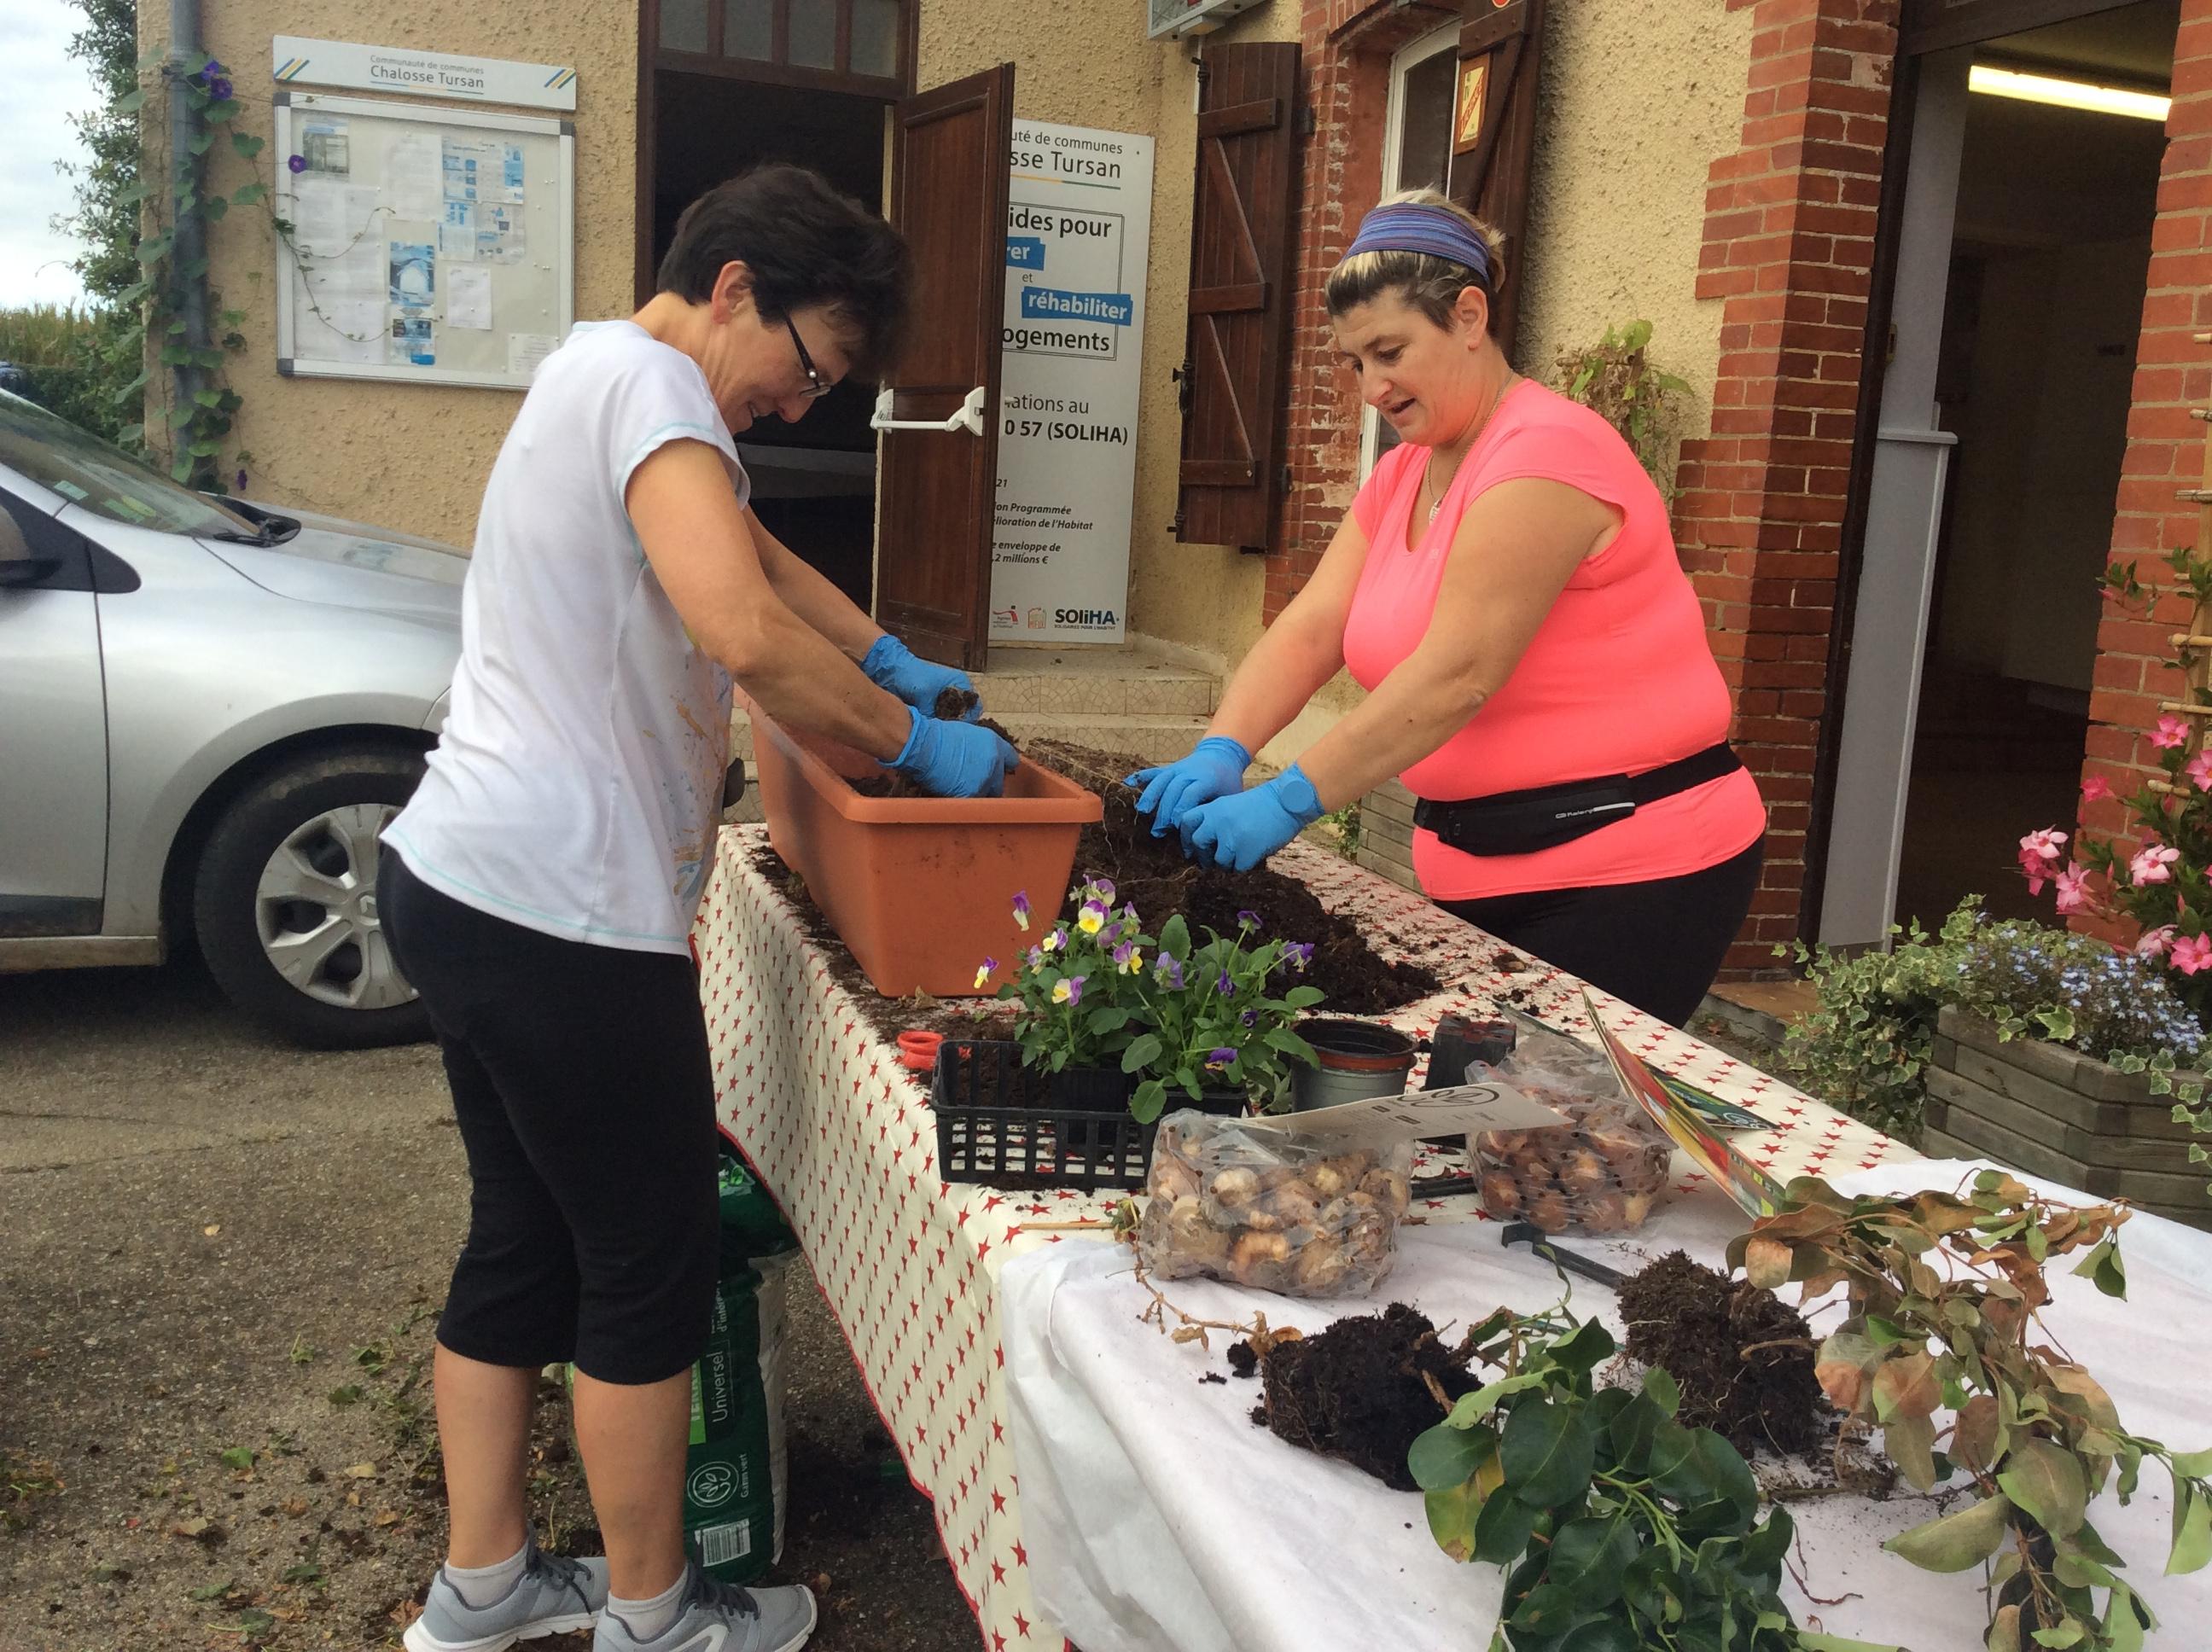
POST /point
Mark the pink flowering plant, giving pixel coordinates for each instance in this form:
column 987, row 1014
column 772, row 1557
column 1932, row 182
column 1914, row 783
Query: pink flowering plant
column 1171, row 1014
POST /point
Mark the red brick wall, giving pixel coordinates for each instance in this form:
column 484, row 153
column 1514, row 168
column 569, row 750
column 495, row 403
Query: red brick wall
column 1788, row 246
column 2165, row 445
column 1346, row 57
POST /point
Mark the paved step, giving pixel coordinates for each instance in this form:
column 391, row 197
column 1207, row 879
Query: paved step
column 1109, row 682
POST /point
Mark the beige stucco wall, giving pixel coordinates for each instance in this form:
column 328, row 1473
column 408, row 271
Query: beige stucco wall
column 1639, row 98
column 405, row 456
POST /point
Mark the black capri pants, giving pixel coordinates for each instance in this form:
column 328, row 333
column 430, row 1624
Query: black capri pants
column 1656, row 944
column 585, row 1099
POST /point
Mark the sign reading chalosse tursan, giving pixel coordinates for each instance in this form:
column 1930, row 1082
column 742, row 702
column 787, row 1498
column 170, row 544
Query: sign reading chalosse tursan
column 300, row 61
column 1079, row 227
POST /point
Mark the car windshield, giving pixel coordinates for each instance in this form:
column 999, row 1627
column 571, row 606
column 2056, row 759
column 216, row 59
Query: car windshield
column 103, row 479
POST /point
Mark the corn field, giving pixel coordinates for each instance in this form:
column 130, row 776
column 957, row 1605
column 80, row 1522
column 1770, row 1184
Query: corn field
column 68, row 360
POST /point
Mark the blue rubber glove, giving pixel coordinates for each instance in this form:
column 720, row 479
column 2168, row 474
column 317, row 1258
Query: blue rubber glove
column 1214, row 769
column 896, row 669
column 954, row 760
column 1239, row 831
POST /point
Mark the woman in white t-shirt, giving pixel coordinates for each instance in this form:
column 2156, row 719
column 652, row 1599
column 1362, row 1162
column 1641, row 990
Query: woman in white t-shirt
column 545, row 877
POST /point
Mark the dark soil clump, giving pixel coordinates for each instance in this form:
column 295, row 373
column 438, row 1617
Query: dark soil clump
column 1697, row 1324
column 1151, row 874
column 1360, row 1390
column 953, row 706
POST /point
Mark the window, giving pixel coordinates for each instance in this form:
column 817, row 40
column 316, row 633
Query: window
column 857, row 46
column 1416, row 151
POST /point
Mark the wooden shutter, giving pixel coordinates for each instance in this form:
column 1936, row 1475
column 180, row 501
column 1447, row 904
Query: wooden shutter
column 1234, row 351
column 1501, row 49
column 934, row 488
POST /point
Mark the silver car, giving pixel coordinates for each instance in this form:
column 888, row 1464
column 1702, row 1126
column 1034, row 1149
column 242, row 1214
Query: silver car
column 208, row 710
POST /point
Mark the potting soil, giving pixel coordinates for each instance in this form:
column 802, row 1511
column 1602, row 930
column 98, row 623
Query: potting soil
column 1356, row 1391
column 1151, row 874
column 1698, row 1323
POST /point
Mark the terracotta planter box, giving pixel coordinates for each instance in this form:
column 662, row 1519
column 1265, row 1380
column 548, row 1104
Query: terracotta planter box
column 2053, row 1112
column 920, row 890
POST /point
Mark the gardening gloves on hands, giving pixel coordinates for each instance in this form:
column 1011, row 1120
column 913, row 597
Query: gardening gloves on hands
column 1214, row 769
column 954, row 760
column 1239, row 831
column 896, row 669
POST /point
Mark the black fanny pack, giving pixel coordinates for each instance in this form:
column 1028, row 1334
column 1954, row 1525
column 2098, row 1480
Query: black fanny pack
column 1545, row 817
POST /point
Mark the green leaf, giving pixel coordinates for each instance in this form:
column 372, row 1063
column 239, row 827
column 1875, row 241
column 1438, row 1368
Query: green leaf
column 131, row 102
column 1303, row 997
column 223, row 110
column 246, row 195
column 1149, row 1101
column 214, row 207
column 2069, row 1633
column 2104, row 1265
column 1175, row 938
column 1665, row 1393
column 2045, row 1481
column 200, row 141
column 238, row 1457
column 1108, row 1019
column 246, row 144
column 1143, row 1051
column 1954, row 1541
column 1502, row 1530
column 1630, row 1429
column 1606, row 1634
column 1584, row 1349
column 1452, row 1512
column 2192, row 1465
column 1443, row 1455
column 1589, row 1556
column 2193, row 1530
column 1547, row 1454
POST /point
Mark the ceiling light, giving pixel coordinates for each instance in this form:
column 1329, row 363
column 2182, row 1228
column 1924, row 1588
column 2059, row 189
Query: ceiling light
column 2067, row 95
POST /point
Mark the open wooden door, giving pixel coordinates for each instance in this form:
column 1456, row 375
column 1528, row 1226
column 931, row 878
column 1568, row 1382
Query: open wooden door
column 1501, row 49
column 937, row 474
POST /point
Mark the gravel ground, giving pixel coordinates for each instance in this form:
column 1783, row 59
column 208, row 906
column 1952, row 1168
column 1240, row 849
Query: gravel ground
column 219, row 1271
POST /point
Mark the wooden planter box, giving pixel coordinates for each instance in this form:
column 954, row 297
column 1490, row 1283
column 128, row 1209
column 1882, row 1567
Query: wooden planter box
column 2053, row 1112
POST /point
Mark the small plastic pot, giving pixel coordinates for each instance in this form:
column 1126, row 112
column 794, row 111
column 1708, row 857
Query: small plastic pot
column 1357, row 1060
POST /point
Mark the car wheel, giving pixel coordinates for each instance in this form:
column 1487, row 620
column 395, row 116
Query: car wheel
column 284, row 900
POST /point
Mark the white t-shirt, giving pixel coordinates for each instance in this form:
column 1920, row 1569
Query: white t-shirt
column 578, row 783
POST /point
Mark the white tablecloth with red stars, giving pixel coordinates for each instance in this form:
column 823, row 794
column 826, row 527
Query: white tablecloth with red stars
column 844, row 1137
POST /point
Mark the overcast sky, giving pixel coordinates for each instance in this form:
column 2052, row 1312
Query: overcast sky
column 45, row 86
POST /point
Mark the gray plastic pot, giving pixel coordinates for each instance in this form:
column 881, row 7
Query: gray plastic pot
column 1358, row 1059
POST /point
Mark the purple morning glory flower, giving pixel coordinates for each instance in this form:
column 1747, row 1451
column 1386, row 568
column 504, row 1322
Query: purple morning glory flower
column 219, row 90
column 1220, row 1057
column 298, row 163
column 241, row 482
column 1248, row 919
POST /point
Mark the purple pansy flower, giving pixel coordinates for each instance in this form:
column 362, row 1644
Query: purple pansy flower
column 1225, row 986
column 1069, row 991
column 1022, row 908
column 1104, row 886
column 1172, row 972
column 1217, row 1058
column 1247, row 919
column 1298, row 954
column 1250, row 1018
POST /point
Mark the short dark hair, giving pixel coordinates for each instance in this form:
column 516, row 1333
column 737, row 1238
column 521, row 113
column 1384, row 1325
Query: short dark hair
column 805, row 244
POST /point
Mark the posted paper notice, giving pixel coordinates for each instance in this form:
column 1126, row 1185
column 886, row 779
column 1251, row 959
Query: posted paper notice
column 468, row 296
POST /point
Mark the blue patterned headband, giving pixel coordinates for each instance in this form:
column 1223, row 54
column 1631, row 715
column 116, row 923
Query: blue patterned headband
column 1410, row 227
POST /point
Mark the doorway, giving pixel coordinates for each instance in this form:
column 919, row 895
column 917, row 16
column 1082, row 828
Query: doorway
column 2050, row 248
column 2025, row 189
column 813, row 483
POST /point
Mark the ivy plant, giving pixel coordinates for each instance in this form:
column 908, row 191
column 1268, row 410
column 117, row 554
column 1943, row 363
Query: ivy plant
column 1617, row 1528
column 1615, row 379
column 1943, row 1291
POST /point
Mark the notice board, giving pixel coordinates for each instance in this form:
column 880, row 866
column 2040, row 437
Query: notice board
column 427, row 245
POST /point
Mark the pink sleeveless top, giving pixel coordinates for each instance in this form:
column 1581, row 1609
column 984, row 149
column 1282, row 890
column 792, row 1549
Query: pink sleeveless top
column 1619, row 679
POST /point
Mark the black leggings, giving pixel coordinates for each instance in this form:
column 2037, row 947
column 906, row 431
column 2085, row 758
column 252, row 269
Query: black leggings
column 1656, row 945
column 586, row 1098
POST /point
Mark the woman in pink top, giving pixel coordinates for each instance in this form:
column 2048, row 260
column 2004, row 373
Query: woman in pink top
column 1506, row 589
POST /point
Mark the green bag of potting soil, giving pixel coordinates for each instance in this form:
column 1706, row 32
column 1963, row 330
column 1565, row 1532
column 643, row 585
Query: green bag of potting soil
column 734, row 1473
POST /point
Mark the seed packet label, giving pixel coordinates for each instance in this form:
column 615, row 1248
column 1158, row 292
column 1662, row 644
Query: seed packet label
column 1457, row 1109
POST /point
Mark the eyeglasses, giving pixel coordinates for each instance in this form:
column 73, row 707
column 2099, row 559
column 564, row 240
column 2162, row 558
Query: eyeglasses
column 816, row 387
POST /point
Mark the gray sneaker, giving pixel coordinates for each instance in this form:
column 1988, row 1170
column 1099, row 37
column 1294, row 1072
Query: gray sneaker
column 720, row 1617
column 554, row 1596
